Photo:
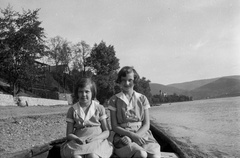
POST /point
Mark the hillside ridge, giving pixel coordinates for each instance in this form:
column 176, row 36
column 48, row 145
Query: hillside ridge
column 225, row 86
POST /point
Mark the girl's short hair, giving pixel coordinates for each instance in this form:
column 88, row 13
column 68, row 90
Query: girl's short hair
column 83, row 82
column 127, row 70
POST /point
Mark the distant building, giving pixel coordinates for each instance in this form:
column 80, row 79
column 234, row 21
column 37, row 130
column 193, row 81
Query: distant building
column 165, row 94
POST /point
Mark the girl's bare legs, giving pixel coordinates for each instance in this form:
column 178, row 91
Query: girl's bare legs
column 140, row 154
column 92, row 156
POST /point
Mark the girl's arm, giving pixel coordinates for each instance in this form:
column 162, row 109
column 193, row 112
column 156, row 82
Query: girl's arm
column 145, row 123
column 70, row 127
column 136, row 137
column 104, row 134
column 118, row 129
column 144, row 128
column 70, row 135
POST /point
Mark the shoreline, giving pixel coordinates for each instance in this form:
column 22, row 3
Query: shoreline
column 23, row 131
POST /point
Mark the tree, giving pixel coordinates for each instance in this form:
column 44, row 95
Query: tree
column 102, row 59
column 104, row 64
column 80, row 53
column 59, row 51
column 21, row 42
column 143, row 87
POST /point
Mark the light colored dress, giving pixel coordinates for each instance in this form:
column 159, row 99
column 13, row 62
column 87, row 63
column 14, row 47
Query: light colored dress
column 86, row 126
column 130, row 115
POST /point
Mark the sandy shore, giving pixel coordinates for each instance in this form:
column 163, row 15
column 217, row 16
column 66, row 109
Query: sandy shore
column 24, row 127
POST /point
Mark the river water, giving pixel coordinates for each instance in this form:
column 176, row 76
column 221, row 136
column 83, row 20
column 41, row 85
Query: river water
column 202, row 128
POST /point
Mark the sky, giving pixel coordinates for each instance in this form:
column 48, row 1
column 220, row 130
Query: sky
column 166, row 41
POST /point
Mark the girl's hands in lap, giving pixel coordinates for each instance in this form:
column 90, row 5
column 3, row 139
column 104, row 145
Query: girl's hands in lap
column 126, row 140
column 79, row 141
column 137, row 139
column 90, row 139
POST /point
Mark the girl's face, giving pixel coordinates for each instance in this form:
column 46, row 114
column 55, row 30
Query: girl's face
column 127, row 82
column 85, row 95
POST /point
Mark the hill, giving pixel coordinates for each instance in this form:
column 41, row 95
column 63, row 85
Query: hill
column 188, row 86
column 46, row 87
column 200, row 89
column 223, row 87
column 191, row 85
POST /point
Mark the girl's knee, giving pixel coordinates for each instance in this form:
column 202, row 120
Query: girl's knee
column 140, row 154
column 92, row 156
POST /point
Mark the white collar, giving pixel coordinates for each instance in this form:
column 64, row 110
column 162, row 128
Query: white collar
column 81, row 113
column 123, row 97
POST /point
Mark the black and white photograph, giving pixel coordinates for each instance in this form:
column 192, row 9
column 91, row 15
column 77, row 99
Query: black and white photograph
column 119, row 78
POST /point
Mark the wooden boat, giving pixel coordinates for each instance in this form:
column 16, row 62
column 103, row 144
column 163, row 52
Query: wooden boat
column 52, row 149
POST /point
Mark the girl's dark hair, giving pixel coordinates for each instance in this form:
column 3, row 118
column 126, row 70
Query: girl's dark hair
column 127, row 70
column 83, row 82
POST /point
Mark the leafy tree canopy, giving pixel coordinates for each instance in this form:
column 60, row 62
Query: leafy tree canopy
column 59, row 50
column 81, row 51
column 21, row 42
column 103, row 59
column 143, row 87
column 104, row 64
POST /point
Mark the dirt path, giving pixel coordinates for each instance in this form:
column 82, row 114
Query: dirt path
column 24, row 127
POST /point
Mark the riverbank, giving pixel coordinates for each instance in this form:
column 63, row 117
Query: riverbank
column 203, row 126
column 24, row 127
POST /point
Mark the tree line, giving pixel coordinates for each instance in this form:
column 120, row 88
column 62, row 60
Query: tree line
column 23, row 42
column 163, row 98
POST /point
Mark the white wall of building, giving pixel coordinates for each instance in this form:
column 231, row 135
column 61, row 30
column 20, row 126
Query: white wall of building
column 6, row 100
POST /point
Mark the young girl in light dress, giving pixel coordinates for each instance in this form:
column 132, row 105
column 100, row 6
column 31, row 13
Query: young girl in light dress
column 130, row 119
column 87, row 129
